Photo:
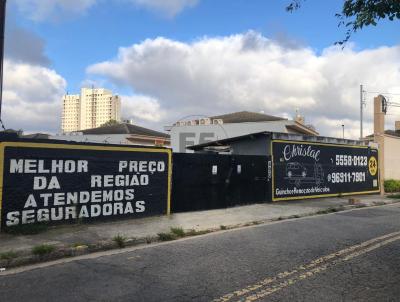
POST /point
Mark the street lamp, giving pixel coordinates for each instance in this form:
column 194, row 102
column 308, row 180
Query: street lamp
column 343, row 130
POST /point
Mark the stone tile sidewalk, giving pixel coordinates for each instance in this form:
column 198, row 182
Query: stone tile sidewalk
column 84, row 238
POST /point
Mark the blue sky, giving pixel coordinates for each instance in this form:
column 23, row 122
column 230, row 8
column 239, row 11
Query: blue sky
column 73, row 39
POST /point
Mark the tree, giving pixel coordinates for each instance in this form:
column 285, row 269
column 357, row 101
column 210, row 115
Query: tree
column 357, row 14
column 110, row 123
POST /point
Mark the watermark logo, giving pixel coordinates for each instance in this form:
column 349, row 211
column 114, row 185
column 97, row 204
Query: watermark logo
column 196, row 130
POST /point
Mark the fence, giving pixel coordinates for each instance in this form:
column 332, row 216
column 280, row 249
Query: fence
column 310, row 170
column 209, row 181
column 52, row 182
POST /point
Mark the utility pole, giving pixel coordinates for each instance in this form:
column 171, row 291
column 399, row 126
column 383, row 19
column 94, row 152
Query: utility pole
column 2, row 29
column 361, row 111
column 343, row 130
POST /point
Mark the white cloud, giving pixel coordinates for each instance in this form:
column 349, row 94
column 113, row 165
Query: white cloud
column 251, row 72
column 141, row 107
column 32, row 97
column 40, row 10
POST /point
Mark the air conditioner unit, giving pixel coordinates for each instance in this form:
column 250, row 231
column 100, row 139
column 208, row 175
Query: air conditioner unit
column 218, row 121
column 205, row 121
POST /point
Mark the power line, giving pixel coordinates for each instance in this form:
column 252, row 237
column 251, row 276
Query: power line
column 377, row 92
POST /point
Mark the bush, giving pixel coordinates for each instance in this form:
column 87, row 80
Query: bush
column 178, row 232
column 120, row 241
column 392, row 186
column 43, row 249
column 8, row 255
column 166, row 236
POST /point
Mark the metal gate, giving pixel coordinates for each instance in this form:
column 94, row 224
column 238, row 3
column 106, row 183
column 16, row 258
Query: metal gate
column 212, row 181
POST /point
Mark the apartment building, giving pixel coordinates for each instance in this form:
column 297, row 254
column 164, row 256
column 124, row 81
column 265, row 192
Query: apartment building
column 90, row 109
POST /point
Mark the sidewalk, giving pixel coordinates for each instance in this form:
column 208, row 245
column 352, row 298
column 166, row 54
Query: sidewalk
column 84, row 238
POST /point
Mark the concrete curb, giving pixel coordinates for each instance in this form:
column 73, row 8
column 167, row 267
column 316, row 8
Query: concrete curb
column 27, row 257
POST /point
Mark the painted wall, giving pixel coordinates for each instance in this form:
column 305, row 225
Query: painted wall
column 184, row 136
column 309, row 170
column 57, row 183
column 392, row 157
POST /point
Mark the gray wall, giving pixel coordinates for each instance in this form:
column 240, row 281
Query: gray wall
column 184, row 136
column 259, row 145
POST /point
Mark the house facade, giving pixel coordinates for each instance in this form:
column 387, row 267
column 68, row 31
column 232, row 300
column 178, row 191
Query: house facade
column 207, row 129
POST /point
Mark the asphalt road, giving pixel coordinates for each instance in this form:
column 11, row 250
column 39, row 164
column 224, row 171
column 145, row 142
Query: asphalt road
column 346, row 256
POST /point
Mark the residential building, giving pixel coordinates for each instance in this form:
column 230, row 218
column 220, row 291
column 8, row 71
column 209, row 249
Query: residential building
column 121, row 133
column 70, row 113
column 214, row 128
column 90, row 109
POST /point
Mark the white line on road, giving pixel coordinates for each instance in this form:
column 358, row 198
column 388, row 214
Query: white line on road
column 268, row 286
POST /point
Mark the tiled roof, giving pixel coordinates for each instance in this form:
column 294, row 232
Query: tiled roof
column 37, row 136
column 124, row 128
column 246, row 116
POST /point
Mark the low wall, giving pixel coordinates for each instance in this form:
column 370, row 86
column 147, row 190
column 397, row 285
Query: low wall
column 392, row 157
column 311, row 170
column 53, row 182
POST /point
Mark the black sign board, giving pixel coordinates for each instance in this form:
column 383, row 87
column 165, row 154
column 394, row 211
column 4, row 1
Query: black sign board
column 310, row 170
column 60, row 183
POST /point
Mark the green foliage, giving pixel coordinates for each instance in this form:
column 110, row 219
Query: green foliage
column 175, row 233
column 110, row 123
column 120, row 240
column 223, row 227
column 166, row 236
column 8, row 255
column 178, row 232
column 327, row 211
column 43, row 249
column 357, row 14
column 392, row 186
